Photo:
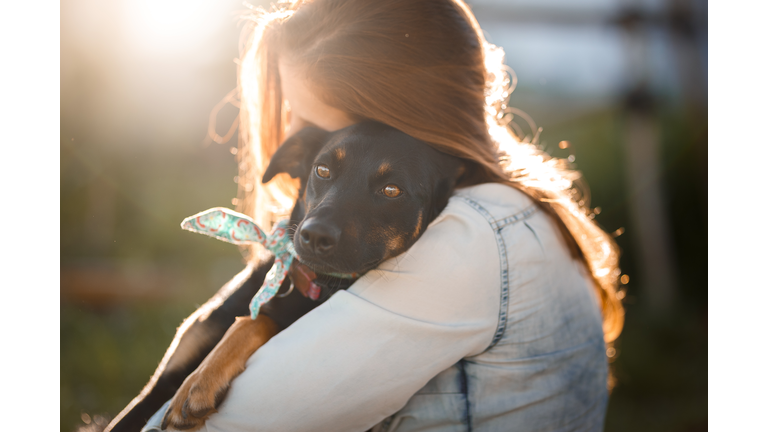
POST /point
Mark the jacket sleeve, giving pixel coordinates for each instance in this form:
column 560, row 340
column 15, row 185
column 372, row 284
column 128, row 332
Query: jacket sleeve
column 360, row 356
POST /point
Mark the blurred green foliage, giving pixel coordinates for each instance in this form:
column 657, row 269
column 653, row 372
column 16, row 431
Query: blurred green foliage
column 108, row 355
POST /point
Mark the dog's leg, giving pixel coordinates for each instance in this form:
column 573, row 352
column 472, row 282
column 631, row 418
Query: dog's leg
column 205, row 388
column 194, row 339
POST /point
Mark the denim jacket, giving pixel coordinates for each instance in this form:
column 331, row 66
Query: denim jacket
column 485, row 324
column 545, row 369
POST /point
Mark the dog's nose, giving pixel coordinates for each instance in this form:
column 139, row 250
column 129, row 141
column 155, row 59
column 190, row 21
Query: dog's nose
column 317, row 236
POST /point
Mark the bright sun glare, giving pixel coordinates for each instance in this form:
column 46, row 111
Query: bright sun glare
column 167, row 26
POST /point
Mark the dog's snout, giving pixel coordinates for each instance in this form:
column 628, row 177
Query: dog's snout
column 318, row 237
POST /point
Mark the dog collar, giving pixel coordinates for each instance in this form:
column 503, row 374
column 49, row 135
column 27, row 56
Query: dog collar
column 233, row 227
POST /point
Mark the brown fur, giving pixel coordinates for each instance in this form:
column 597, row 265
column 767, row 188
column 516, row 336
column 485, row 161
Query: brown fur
column 417, row 230
column 202, row 391
column 351, row 230
column 384, row 168
column 340, row 153
column 394, row 244
column 390, row 236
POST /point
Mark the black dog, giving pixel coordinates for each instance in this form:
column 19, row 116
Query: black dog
column 367, row 194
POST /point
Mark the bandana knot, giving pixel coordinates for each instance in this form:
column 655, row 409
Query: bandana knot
column 232, row 227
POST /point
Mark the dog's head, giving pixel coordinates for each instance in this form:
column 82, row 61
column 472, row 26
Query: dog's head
column 367, row 193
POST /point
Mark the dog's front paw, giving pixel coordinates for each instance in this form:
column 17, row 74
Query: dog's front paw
column 196, row 399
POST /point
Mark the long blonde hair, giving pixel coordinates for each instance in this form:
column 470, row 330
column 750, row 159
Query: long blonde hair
column 423, row 67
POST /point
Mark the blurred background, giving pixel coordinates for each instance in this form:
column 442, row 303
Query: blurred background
column 618, row 86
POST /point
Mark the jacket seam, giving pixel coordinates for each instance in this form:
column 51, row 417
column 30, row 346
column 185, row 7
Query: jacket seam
column 497, row 226
column 517, row 217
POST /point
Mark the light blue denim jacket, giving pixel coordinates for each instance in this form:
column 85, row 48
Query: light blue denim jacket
column 546, row 368
column 485, row 324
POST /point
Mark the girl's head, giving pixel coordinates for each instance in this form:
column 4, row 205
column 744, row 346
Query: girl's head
column 414, row 65
column 420, row 66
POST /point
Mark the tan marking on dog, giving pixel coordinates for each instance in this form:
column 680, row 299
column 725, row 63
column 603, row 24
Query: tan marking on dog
column 384, row 168
column 418, row 224
column 461, row 170
column 376, row 235
column 390, row 237
column 351, row 231
column 203, row 390
column 395, row 244
column 340, row 154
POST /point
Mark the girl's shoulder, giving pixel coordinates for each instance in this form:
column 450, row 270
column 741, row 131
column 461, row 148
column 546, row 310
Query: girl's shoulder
column 494, row 197
column 488, row 203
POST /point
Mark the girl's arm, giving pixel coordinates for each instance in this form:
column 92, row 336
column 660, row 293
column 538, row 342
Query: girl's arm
column 360, row 356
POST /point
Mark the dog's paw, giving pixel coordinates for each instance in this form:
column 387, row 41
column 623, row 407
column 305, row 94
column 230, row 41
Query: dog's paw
column 194, row 402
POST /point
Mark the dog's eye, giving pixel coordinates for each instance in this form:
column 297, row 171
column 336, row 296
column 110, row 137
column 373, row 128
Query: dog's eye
column 392, row 191
column 323, row 171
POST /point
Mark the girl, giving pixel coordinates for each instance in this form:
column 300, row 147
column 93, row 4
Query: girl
column 497, row 318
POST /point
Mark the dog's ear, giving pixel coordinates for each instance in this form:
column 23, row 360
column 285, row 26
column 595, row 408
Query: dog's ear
column 451, row 168
column 296, row 154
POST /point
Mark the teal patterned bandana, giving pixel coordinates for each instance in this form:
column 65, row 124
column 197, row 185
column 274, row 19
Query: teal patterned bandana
column 232, row 227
